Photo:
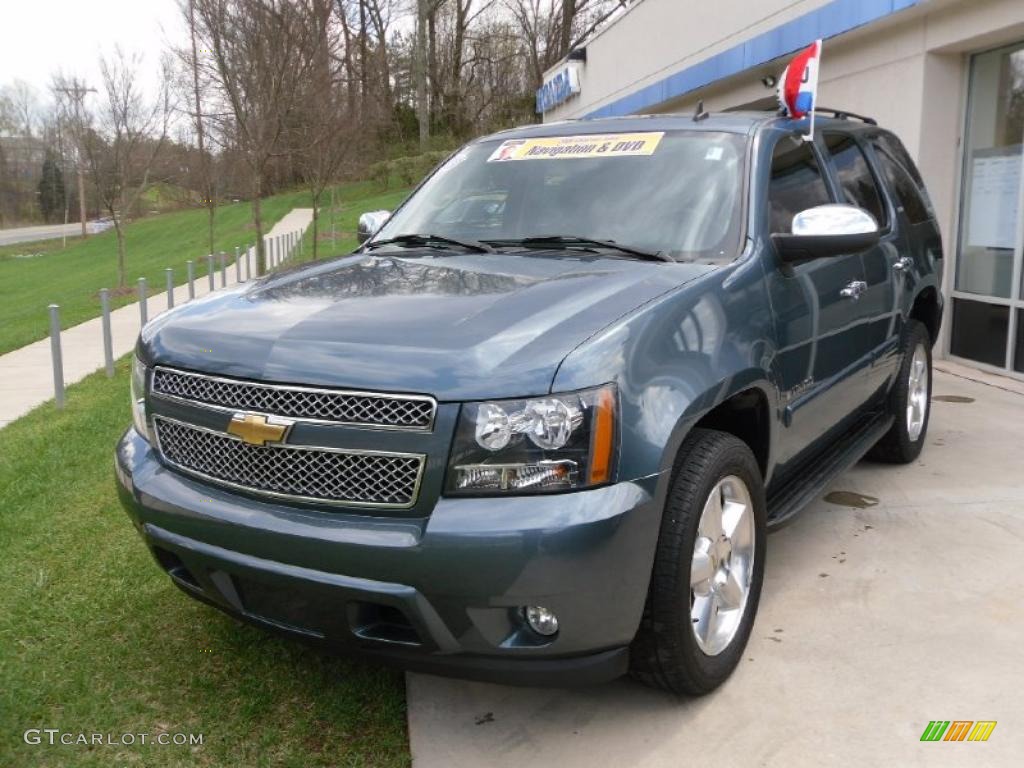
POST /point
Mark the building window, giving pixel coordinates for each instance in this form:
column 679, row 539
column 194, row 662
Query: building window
column 988, row 301
column 980, row 331
column 991, row 204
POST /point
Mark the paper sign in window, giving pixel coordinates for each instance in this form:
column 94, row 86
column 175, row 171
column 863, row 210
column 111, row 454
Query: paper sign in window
column 567, row 147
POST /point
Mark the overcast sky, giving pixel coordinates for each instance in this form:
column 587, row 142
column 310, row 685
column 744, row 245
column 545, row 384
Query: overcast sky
column 41, row 36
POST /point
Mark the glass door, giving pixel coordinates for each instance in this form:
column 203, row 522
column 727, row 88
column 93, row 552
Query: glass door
column 988, row 310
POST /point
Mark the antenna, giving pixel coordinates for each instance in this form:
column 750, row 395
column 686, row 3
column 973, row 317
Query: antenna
column 700, row 114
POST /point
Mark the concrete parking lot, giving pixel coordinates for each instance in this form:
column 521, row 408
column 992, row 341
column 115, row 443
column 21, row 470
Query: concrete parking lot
column 896, row 600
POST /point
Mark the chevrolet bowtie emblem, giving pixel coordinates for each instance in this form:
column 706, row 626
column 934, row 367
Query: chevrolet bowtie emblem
column 258, row 430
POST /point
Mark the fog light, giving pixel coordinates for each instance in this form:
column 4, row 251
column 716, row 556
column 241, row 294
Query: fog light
column 541, row 620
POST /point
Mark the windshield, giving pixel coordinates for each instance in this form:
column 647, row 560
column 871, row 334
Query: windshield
column 672, row 192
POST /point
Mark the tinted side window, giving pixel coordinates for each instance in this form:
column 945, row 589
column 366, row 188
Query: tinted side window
column 796, row 183
column 859, row 187
column 895, row 149
column 908, row 193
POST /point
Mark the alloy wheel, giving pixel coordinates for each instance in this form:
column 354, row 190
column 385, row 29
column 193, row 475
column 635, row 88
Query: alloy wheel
column 917, row 393
column 723, row 565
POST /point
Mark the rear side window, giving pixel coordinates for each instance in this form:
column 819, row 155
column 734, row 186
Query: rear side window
column 903, row 177
column 796, row 183
column 855, row 177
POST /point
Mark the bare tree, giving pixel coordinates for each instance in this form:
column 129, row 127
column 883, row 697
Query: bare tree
column 262, row 52
column 122, row 146
column 552, row 28
column 205, row 170
column 324, row 137
column 420, row 72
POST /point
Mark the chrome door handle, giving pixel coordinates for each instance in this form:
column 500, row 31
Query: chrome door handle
column 903, row 264
column 854, row 290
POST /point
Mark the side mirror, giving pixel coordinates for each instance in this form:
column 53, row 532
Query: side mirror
column 827, row 230
column 370, row 223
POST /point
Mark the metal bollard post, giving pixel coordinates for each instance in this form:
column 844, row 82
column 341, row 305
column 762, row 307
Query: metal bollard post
column 191, row 279
column 272, row 261
column 248, row 263
column 143, row 299
column 108, row 342
column 223, row 270
column 238, row 265
column 170, row 287
column 209, row 270
column 58, row 361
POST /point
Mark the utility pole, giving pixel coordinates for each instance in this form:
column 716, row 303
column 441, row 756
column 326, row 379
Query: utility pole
column 76, row 92
column 63, row 175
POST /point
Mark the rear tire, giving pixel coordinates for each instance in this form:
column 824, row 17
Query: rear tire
column 706, row 581
column 909, row 400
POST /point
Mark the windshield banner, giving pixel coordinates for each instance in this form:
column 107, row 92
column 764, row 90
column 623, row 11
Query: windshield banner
column 604, row 145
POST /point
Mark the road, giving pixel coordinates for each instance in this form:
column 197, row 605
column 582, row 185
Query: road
column 45, row 232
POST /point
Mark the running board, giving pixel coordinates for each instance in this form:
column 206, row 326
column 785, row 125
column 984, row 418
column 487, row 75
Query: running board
column 808, row 485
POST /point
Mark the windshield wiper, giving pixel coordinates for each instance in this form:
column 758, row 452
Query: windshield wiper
column 414, row 240
column 573, row 240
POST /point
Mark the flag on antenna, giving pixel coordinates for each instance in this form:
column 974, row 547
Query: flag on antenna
column 798, row 87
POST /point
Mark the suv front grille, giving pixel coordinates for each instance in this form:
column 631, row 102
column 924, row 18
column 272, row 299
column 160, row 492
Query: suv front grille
column 335, row 406
column 356, row 478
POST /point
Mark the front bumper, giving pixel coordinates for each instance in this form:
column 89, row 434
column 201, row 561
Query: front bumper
column 440, row 594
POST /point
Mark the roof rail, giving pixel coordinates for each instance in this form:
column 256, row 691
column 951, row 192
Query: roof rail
column 771, row 104
column 842, row 114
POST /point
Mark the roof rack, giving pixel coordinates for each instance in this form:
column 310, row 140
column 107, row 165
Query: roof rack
column 771, row 104
column 842, row 114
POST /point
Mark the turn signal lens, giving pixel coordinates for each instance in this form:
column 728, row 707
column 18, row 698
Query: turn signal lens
column 603, row 439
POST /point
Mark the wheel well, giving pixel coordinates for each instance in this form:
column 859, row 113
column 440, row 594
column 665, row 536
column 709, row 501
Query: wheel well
column 744, row 415
column 926, row 310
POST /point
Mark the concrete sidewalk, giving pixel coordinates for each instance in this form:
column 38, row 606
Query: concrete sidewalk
column 26, row 374
column 874, row 619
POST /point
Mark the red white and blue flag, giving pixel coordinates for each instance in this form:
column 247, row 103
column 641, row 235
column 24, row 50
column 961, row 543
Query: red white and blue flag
column 798, row 89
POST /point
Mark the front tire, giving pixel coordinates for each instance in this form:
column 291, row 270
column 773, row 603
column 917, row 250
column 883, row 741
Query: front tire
column 910, row 399
column 708, row 568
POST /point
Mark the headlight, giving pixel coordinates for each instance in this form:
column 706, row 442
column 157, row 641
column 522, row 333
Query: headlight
column 553, row 443
column 138, row 388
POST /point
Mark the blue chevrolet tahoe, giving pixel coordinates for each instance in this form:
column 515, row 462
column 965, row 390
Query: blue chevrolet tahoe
column 537, row 426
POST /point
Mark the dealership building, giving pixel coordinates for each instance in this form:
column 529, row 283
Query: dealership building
column 946, row 75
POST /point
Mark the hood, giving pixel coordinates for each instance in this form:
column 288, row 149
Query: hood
column 454, row 326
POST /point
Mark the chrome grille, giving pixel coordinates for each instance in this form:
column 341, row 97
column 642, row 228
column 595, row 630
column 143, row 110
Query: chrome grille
column 336, row 406
column 295, row 472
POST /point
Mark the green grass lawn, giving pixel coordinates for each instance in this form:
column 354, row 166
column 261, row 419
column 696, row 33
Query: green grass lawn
column 348, row 205
column 73, row 276
column 94, row 638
